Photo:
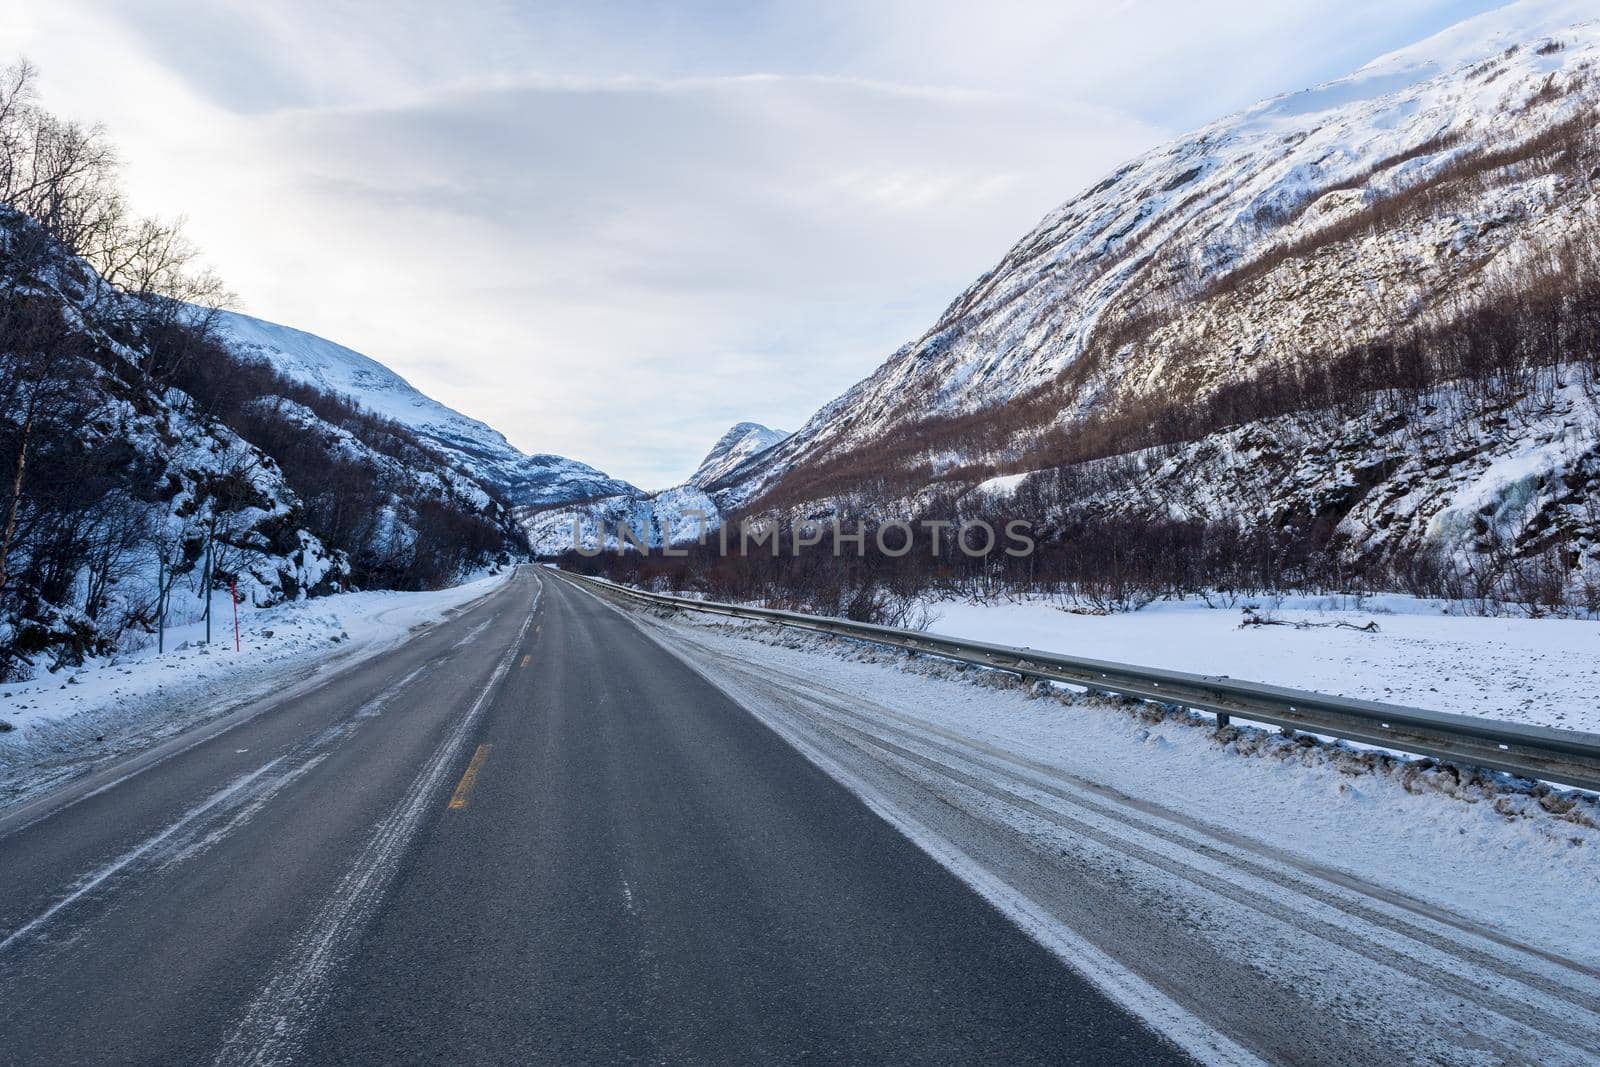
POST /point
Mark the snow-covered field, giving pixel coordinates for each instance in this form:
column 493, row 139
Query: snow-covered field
column 62, row 722
column 1541, row 671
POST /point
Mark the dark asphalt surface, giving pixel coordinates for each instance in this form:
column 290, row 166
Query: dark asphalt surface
column 637, row 870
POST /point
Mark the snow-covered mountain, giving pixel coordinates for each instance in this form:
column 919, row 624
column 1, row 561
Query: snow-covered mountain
column 672, row 516
column 1453, row 175
column 525, row 480
column 742, row 441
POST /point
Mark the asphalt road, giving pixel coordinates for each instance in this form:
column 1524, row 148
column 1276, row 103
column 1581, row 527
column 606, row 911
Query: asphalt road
column 529, row 835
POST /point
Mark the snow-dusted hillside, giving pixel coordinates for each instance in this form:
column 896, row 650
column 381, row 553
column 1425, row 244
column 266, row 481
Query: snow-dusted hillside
column 1210, row 203
column 525, row 480
column 127, row 486
column 1399, row 482
column 547, row 491
column 1432, row 181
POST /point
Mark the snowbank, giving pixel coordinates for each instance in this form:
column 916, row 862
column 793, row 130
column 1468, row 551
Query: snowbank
column 61, row 723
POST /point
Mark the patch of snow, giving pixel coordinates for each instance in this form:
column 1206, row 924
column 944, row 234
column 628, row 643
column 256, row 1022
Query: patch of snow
column 1003, row 486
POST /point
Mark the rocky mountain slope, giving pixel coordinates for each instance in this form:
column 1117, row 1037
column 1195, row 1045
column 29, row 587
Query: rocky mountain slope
column 146, row 462
column 1286, row 258
column 484, row 453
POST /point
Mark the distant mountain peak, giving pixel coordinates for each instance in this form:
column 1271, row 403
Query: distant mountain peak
column 671, row 516
column 743, row 440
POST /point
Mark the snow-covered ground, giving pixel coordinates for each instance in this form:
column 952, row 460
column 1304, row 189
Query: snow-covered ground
column 1224, row 886
column 62, row 722
column 1541, row 671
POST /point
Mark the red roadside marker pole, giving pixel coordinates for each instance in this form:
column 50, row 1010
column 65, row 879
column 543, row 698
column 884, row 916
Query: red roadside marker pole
column 233, row 591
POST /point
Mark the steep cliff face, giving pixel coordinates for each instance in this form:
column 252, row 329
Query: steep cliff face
column 1224, row 279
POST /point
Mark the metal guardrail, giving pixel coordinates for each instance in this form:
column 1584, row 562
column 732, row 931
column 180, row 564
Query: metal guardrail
column 1567, row 757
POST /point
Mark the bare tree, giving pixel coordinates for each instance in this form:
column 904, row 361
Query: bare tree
column 120, row 525
column 35, row 391
column 63, row 175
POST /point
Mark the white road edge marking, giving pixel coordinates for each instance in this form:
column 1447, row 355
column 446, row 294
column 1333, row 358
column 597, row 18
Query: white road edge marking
column 1141, row 999
column 276, row 1020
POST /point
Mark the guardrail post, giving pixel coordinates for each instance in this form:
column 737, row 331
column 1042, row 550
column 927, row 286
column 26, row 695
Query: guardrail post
column 1223, row 719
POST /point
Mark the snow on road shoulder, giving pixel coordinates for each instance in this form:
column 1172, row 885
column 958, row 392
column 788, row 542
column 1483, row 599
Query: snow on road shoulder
column 1539, row 671
column 1516, row 867
column 62, row 722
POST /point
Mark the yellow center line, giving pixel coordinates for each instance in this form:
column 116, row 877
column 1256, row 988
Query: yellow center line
column 525, row 660
column 458, row 800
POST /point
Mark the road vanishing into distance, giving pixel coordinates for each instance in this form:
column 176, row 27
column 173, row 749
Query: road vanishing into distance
column 547, row 831
column 529, row 835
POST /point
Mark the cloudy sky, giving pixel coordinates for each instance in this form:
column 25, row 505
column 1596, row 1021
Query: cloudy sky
column 612, row 230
